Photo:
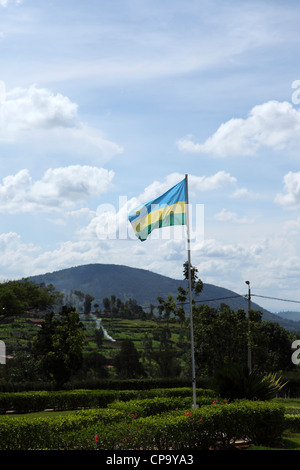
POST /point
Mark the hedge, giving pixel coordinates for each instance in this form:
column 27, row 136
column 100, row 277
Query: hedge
column 292, row 422
column 104, row 384
column 209, row 426
column 152, row 406
column 25, row 433
column 151, row 429
column 23, row 402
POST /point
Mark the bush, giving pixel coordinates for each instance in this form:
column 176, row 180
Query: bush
column 236, row 382
column 23, row 402
column 26, row 433
column 186, row 428
column 292, row 422
column 202, row 428
column 153, row 406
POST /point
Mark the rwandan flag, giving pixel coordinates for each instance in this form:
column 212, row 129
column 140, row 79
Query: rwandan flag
column 166, row 210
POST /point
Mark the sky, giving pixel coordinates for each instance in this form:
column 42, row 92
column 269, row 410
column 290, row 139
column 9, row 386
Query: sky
column 105, row 104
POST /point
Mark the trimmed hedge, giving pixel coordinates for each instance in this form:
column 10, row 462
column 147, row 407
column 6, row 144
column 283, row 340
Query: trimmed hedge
column 209, row 426
column 25, row 433
column 105, row 384
column 24, row 402
column 152, row 406
column 152, row 429
column 292, row 422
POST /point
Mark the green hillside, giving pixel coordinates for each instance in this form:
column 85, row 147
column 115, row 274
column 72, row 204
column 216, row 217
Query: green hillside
column 104, row 280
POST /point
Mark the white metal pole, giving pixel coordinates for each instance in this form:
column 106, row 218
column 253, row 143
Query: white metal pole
column 190, row 294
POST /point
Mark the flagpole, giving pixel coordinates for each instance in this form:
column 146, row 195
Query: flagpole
column 190, row 293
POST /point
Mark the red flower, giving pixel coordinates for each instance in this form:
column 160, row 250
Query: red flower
column 188, row 413
column 133, row 415
column 96, row 439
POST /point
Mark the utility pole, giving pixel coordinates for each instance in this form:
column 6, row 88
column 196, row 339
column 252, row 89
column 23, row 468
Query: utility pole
column 249, row 345
column 194, row 405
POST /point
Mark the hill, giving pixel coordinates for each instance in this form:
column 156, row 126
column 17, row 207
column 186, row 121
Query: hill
column 104, row 280
column 289, row 314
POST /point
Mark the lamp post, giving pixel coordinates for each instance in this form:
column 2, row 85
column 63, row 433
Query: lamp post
column 249, row 346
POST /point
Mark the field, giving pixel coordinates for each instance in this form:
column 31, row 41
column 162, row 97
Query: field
column 18, row 333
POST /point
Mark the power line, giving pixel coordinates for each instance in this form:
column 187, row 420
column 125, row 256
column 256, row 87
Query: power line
column 200, row 301
column 236, row 296
column 275, row 298
column 220, row 298
column 225, row 298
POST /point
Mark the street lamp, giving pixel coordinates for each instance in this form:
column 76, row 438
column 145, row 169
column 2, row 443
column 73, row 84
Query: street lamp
column 249, row 346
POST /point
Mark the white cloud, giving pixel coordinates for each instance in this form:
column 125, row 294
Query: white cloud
column 227, row 216
column 53, row 122
column 272, row 124
column 244, row 193
column 59, row 187
column 239, row 251
column 291, row 198
column 31, row 108
column 4, row 3
column 196, row 183
column 219, row 180
column 292, row 227
column 16, row 255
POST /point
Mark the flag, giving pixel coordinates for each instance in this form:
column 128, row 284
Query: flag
column 166, row 210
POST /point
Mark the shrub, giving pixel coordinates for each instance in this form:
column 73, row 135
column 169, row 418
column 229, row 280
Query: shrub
column 202, row 428
column 236, row 382
column 153, row 406
column 24, row 432
column 153, row 427
column 23, row 402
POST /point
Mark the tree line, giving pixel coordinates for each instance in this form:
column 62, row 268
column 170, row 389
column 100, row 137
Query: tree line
column 221, row 336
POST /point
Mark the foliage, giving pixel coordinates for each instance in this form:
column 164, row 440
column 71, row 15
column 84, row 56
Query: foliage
column 127, row 361
column 24, row 402
column 236, row 382
column 18, row 296
column 59, row 344
column 180, row 429
column 138, row 408
column 221, row 338
column 128, row 309
column 169, row 307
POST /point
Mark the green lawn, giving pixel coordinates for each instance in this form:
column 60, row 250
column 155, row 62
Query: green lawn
column 289, row 442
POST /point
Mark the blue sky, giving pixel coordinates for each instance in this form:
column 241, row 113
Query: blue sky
column 108, row 103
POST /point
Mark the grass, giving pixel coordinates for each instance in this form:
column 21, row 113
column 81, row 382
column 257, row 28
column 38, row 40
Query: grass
column 43, row 414
column 289, row 442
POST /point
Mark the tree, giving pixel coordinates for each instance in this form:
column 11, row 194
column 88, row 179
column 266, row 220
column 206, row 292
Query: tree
column 88, row 303
column 127, row 362
column 168, row 365
column 99, row 335
column 18, row 296
column 221, row 339
column 168, row 307
column 59, row 345
column 196, row 284
column 272, row 347
column 94, row 365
